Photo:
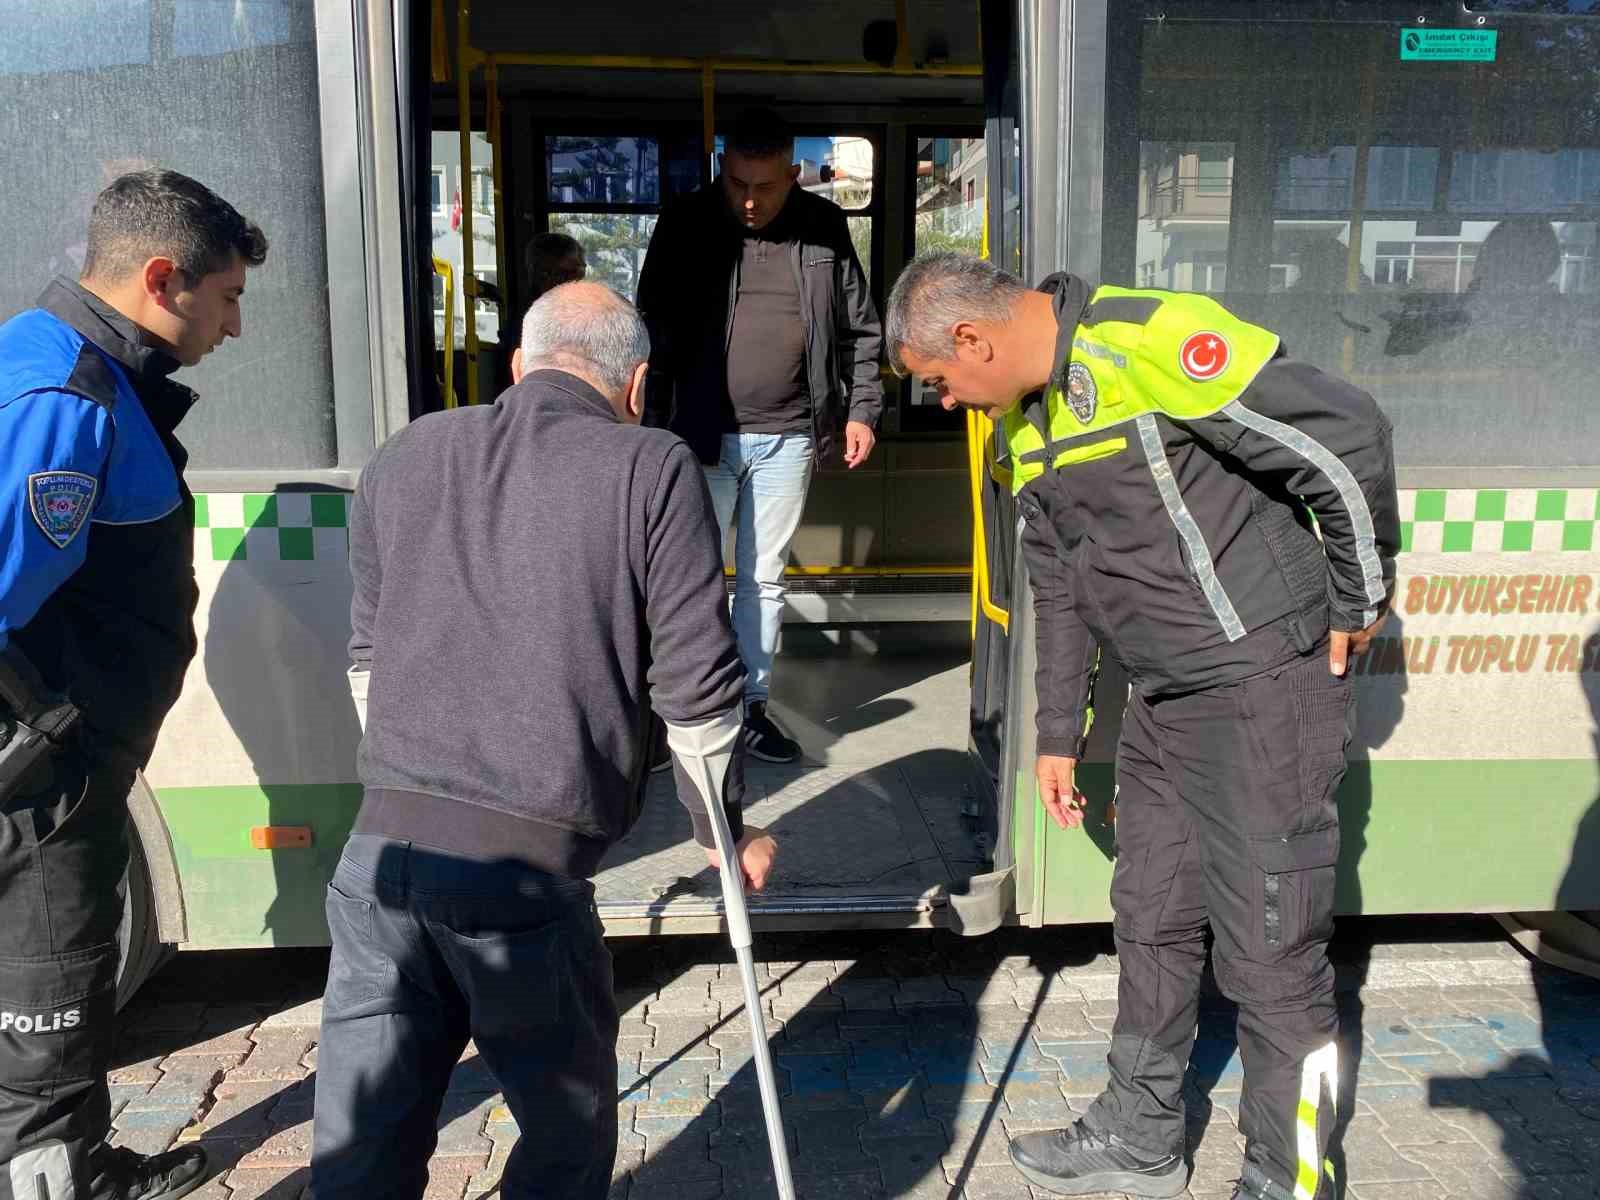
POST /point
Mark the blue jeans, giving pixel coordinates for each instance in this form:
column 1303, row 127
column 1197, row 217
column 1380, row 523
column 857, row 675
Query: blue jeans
column 762, row 480
column 429, row 949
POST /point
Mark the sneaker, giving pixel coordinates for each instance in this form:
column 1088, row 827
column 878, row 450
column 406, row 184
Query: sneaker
column 121, row 1174
column 764, row 739
column 1079, row 1161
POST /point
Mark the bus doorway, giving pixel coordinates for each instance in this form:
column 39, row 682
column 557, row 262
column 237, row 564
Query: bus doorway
column 589, row 127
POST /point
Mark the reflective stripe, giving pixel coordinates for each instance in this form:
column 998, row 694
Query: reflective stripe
column 42, row 1172
column 1355, row 503
column 1319, row 1068
column 1188, row 529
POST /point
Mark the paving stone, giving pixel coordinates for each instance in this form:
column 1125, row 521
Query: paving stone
column 682, row 1038
column 1066, row 1022
column 302, row 1016
column 461, row 1131
column 278, row 1182
column 810, row 1074
column 448, row 1179
column 234, row 1043
column 994, row 991
column 860, row 1185
column 829, row 1143
column 286, row 1146
column 1041, row 1101
column 170, row 1017
column 1082, row 1065
column 145, row 1070
column 975, row 1143
column 926, row 992
column 1369, row 1158
column 677, row 1079
column 278, row 1055
column 150, row 1132
column 187, row 1093
column 995, row 1183
column 241, row 1109
column 813, row 1032
column 904, row 1162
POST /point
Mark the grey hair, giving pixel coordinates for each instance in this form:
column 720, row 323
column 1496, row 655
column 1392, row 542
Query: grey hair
column 937, row 291
column 589, row 326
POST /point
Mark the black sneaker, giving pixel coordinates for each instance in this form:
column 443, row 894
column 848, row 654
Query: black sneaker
column 1078, row 1161
column 121, row 1174
column 764, row 739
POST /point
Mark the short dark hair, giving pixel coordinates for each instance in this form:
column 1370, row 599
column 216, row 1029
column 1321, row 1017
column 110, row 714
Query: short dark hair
column 760, row 133
column 149, row 213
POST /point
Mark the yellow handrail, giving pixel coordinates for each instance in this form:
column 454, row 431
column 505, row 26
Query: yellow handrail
column 977, row 434
column 444, row 269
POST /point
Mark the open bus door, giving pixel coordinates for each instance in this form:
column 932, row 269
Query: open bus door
column 589, row 128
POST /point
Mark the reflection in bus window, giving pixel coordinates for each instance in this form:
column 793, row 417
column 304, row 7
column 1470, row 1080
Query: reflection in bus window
column 451, row 193
column 1424, row 229
column 603, row 170
column 952, row 188
column 1185, row 200
column 91, row 89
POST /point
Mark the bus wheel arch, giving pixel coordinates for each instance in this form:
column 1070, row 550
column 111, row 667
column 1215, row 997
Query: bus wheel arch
column 153, row 918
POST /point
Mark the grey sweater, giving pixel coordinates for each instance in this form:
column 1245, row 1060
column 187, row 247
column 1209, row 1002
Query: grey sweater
column 531, row 577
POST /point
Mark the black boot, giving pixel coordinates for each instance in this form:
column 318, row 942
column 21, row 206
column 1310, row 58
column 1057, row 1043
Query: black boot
column 1079, row 1161
column 1254, row 1185
column 121, row 1174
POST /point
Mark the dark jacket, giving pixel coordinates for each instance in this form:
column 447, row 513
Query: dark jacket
column 686, row 296
column 1182, row 534
column 98, row 586
column 531, row 576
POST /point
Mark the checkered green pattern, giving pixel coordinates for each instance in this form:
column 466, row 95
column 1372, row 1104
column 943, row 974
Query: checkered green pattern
column 278, row 526
column 1557, row 520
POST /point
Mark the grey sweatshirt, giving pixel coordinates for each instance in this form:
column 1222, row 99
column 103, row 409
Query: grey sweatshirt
column 531, row 577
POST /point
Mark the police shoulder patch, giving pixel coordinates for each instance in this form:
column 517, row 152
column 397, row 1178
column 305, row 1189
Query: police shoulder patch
column 61, row 502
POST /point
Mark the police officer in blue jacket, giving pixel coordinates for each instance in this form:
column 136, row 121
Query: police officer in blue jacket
column 97, row 599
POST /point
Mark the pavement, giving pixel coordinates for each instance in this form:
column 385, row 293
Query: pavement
column 906, row 1059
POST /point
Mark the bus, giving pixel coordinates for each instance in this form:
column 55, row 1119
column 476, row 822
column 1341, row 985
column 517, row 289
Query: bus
column 1408, row 194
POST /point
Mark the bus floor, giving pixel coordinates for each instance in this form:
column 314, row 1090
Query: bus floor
column 869, row 823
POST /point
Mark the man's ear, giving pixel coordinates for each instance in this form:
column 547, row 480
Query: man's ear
column 972, row 343
column 635, row 401
column 516, row 366
column 794, row 173
column 162, row 280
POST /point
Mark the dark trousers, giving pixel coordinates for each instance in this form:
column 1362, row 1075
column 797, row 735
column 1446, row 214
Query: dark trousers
column 430, row 949
column 1226, row 816
column 63, row 853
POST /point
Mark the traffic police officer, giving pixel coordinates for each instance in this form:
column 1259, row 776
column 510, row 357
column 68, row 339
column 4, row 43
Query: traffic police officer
column 1223, row 521
column 97, row 599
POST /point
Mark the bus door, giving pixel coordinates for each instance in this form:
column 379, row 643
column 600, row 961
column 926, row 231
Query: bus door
column 590, row 127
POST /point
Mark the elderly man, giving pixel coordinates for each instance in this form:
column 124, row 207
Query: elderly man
column 532, row 578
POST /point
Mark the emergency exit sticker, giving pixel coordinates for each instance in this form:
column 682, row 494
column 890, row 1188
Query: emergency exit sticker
column 1448, row 45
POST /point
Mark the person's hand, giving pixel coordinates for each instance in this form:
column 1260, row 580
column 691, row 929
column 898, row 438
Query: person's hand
column 1056, row 793
column 858, row 443
column 1342, row 647
column 757, row 852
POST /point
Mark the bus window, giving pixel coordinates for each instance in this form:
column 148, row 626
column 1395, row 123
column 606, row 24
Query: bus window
column 89, row 89
column 1425, row 229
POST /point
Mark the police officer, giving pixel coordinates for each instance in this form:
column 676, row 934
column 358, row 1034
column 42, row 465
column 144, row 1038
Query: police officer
column 97, row 598
column 1174, row 471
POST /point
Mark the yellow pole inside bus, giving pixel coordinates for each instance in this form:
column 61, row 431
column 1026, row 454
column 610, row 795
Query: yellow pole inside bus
column 469, row 281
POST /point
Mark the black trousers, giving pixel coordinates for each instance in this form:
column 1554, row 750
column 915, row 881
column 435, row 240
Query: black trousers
column 1226, row 816
column 63, row 853
column 430, row 949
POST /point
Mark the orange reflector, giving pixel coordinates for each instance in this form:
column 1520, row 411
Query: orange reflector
column 280, row 837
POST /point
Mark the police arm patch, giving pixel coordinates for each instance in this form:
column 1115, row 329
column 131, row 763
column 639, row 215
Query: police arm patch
column 61, row 502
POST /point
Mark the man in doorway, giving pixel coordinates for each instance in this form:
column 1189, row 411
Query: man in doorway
column 97, row 599
column 553, row 259
column 1174, row 471
column 765, row 343
column 584, row 549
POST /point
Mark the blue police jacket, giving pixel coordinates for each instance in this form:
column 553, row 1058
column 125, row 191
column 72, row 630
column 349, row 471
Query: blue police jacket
column 97, row 581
